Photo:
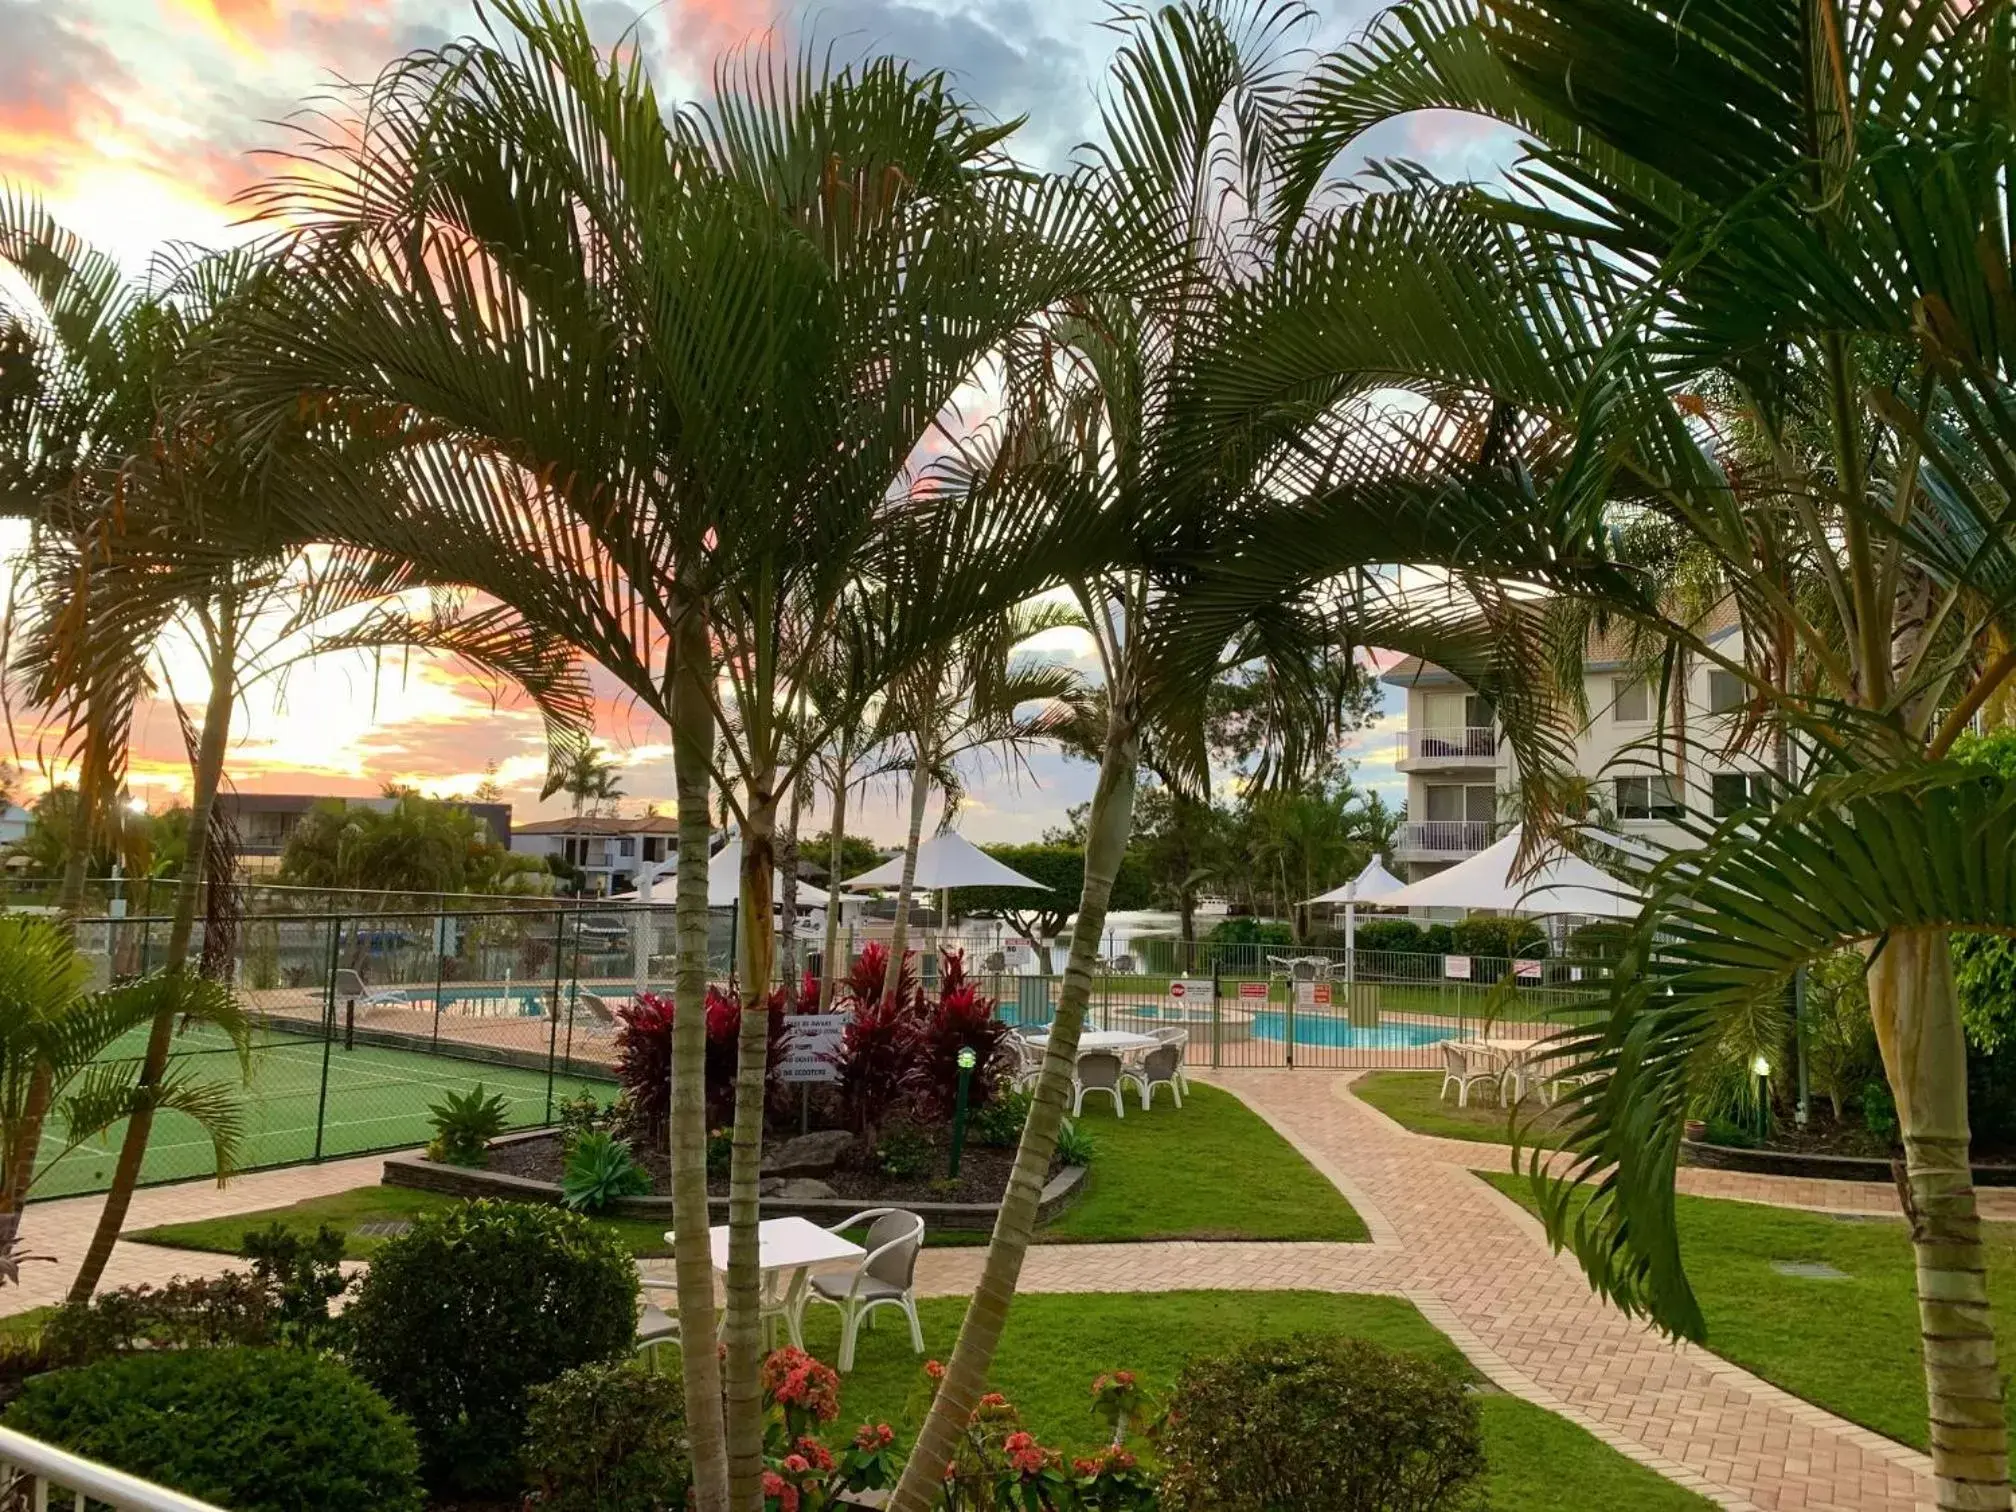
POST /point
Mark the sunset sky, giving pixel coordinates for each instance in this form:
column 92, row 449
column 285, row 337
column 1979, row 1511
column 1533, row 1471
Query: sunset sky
column 138, row 121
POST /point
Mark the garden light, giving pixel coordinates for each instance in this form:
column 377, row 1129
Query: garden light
column 1761, row 1066
column 968, row 1059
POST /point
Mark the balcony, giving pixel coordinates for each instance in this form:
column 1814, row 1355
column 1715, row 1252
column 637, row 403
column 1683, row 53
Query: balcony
column 1443, row 839
column 1439, row 749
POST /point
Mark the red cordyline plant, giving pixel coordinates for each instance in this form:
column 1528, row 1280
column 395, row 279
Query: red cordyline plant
column 644, row 1057
column 963, row 1018
column 878, row 1047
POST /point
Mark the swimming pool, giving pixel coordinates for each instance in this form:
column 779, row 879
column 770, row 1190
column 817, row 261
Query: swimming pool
column 1339, row 1033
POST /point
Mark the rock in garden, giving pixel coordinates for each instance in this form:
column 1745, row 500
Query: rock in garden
column 771, row 1186
column 805, row 1189
column 808, row 1154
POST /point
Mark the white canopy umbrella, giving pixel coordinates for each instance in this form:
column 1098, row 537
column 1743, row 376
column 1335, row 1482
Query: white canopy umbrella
column 1565, row 885
column 945, row 861
column 1373, row 885
column 724, row 883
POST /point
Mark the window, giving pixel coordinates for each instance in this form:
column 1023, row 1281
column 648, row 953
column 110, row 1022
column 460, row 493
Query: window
column 1649, row 798
column 1726, row 693
column 626, row 847
column 1631, row 702
column 1734, row 791
column 1451, row 802
column 654, row 848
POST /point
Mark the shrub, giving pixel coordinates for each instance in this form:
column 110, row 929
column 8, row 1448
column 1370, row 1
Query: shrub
column 608, row 1437
column 1000, row 1123
column 462, row 1315
column 963, row 1018
column 600, row 1169
column 583, row 1113
column 208, row 1312
column 878, row 1046
column 1401, row 936
column 464, row 1124
column 256, row 1430
column 1311, row 1424
column 1500, row 938
column 905, row 1152
column 302, row 1277
column 1250, row 931
column 1600, row 940
column 1075, row 1144
column 644, row 1059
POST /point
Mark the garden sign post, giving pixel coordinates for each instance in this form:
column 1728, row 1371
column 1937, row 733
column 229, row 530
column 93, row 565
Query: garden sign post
column 967, row 1061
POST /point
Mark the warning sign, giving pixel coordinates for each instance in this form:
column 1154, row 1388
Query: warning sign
column 1253, row 989
column 1312, row 994
column 1527, row 970
column 1456, row 968
column 1190, row 990
column 811, row 1048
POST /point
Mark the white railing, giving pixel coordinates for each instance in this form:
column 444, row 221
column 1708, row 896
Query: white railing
column 1473, row 743
column 35, row 1477
column 1445, row 836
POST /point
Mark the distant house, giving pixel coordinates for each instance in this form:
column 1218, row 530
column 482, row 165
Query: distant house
column 608, row 852
column 264, row 821
column 14, row 822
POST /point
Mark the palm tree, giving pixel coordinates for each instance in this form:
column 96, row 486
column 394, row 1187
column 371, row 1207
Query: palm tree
column 1786, row 352
column 652, row 384
column 56, row 1039
column 1220, row 530
column 590, row 779
column 969, row 698
column 110, row 593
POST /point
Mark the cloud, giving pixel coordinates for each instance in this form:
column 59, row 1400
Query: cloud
column 57, row 85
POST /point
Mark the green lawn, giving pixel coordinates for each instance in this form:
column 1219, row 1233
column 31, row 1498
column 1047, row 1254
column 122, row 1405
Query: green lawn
column 1413, row 1099
column 1212, row 1169
column 1850, row 1345
column 1055, row 1345
column 348, row 1210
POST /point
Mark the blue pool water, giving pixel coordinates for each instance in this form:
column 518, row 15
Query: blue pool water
column 1338, row 1034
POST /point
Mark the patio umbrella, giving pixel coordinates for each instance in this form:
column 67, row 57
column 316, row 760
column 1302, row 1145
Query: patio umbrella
column 1565, row 885
column 724, row 882
column 1373, row 885
column 944, row 861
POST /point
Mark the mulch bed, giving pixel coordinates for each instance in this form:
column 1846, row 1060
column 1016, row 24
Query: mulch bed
column 983, row 1172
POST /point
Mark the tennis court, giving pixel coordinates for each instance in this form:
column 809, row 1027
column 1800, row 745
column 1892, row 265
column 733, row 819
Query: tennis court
column 376, row 1099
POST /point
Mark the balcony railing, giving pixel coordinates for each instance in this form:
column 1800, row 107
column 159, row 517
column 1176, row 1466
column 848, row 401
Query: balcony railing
column 1475, row 744
column 1446, row 837
column 38, row 1475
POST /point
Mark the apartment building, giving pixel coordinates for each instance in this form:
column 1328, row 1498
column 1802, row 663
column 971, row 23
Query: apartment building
column 265, row 821
column 608, row 851
column 1461, row 774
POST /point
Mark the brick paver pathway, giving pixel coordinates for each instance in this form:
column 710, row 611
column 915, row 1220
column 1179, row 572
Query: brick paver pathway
column 63, row 1228
column 1482, row 1271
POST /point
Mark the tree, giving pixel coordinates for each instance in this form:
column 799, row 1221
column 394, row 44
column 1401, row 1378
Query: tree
column 1771, row 338
column 407, row 844
column 1040, row 917
column 1309, row 838
column 1224, row 533
column 589, row 778
column 968, row 699
column 55, row 1042
column 856, row 854
column 658, row 385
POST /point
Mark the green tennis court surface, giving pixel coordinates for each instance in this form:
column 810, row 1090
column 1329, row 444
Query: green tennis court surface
column 377, row 1100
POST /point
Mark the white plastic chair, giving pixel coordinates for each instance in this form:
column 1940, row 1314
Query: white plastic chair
column 656, row 1326
column 1464, row 1070
column 1180, row 1037
column 1100, row 1071
column 1160, row 1067
column 886, row 1277
column 1029, row 1063
column 350, row 988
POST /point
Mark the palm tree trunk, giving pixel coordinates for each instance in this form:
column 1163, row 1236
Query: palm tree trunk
column 745, row 1277
column 899, row 936
column 210, row 747
column 787, row 887
column 1916, row 1009
column 693, row 1264
column 34, row 1113
column 836, row 852
column 77, row 859
column 1111, row 821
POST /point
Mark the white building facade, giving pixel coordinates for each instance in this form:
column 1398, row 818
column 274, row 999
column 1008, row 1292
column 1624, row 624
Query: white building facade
column 609, row 852
column 1462, row 778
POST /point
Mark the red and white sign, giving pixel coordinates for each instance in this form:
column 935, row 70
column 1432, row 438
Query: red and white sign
column 1530, row 970
column 1190, row 990
column 1312, row 994
column 1253, row 989
column 1456, row 968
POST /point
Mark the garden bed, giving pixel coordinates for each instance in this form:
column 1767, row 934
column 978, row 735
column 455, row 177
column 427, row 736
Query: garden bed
column 526, row 1168
column 1768, row 1160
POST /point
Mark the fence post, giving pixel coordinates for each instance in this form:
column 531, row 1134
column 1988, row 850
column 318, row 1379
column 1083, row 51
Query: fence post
column 553, row 1024
column 573, row 987
column 1288, row 1023
column 440, row 978
column 1217, row 1016
column 328, row 1027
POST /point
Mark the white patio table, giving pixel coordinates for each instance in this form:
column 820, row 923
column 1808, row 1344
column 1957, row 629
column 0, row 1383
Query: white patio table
column 786, row 1247
column 1117, row 1040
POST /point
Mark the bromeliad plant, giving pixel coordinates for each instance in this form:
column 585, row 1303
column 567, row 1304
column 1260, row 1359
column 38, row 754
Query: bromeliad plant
column 464, row 1123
